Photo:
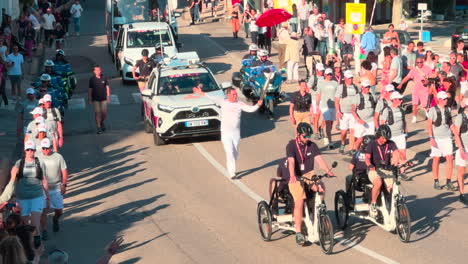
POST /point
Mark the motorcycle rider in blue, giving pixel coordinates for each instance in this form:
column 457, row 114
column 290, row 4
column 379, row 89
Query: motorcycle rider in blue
column 262, row 60
column 252, row 55
column 60, row 57
column 158, row 55
column 49, row 68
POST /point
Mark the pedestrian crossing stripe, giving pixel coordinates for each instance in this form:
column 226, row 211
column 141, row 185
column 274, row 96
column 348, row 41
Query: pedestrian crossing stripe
column 114, row 100
column 136, row 97
column 76, row 103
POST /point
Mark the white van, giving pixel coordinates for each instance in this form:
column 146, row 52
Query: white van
column 135, row 37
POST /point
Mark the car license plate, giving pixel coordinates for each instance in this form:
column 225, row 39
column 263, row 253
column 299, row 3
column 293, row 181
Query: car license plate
column 196, row 123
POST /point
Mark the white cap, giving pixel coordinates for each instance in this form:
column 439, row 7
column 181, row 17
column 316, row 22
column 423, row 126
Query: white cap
column 442, row 95
column 320, row 67
column 348, row 74
column 41, row 101
column 47, row 98
column 37, row 111
column 30, row 91
column 39, row 119
column 294, row 34
column 29, row 145
column 389, row 88
column 395, row 95
column 365, row 83
column 45, row 143
column 42, row 127
column 328, row 71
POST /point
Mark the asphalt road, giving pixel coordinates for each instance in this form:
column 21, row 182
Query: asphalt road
column 173, row 203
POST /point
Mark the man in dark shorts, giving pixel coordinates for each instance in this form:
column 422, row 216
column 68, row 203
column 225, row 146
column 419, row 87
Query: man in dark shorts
column 302, row 155
column 145, row 66
column 99, row 95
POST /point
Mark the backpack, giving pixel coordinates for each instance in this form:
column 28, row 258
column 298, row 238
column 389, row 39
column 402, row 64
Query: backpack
column 39, row 173
column 54, row 113
column 391, row 120
column 464, row 125
column 438, row 121
column 344, row 92
column 362, row 103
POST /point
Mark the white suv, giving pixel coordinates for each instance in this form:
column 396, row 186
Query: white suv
column 171, row 109
column 135, row 37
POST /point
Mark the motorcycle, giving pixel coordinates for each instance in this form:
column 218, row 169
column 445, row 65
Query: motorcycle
column 263, row 82
column 68, row 77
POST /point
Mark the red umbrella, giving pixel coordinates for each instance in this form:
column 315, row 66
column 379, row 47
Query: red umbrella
column 272, row 17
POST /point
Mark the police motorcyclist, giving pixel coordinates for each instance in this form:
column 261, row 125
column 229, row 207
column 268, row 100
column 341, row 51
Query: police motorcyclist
column 302, row 155
column 252, row 55
column 158, row 55
column 262, row 59
column 381, row 155
column 49, row 68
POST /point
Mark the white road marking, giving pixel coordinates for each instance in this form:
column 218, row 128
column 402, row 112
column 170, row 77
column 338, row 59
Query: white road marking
column 76, row 103
column 136, row 97
column 257, row 198
column 223, row 171
column 114, row 99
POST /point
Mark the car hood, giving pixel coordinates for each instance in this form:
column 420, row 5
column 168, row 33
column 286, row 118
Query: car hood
column 189, row 100
column 135, row 53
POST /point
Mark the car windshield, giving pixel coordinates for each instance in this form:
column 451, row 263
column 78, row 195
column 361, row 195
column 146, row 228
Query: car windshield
column 132, row 11
column 148, row 38
column 184, row 83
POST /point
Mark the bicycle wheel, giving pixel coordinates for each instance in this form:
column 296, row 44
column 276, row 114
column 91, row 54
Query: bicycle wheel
column 326, row 234
column 341, row 209
column 403, row 223
column 264, row 220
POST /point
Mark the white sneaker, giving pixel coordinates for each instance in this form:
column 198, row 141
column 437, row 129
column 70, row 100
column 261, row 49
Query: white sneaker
column 373, row 211
column 325, row 141
column 414, row 120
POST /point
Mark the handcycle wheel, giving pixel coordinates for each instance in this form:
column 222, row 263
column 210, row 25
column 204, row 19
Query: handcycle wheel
column 271, row 107
column 326, row 234
column 341, row 209
column 264, row 220
column 403, row 223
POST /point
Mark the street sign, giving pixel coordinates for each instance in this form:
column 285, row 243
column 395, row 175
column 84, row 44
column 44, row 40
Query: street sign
column 422, row 6
column 356, row 17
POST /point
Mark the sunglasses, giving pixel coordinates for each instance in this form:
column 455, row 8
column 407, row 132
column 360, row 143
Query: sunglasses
column 42, row 91
column 419, row 62
column 452, row 58
column 29, row 150
column 45, row 148
column 445, row 99
column 306, row 136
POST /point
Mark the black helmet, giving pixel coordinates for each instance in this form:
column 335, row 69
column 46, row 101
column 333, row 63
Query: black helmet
column 158, row 46
column 304, row 129
column 144, row 53
column 366, row 140
column 384, row 131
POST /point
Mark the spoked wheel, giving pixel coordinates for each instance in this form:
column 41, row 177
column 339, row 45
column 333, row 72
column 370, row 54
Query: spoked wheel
column 403, row 223
column 341, row 209
column 326, row 234
column 264, row 220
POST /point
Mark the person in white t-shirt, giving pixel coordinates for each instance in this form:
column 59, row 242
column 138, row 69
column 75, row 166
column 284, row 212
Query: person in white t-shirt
column 15, row 71
column 48, row 25
column 75, row 12
column 231, row 110
column 36, row 25
column 313, row 18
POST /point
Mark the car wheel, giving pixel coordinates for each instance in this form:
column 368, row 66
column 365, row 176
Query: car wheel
column 158, row 141
column 147, row 126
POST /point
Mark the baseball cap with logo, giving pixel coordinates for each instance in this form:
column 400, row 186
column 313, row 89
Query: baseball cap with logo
column 47, row 98
column 30, row 91
column 320, row 67
column 348, row 74
column 42, row 127
column 395, row 95
column 37, row 111
column 39, row 119
column 389, row 88
column 328, row 71
column 442, row 95
column 45, row 143
column 40, row 102
column 365, row 83
column 29, row 145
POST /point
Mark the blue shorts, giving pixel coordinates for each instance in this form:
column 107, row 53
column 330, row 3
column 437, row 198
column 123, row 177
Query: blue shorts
column 15, row 78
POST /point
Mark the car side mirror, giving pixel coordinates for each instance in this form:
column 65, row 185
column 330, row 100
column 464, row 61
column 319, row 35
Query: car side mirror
column 179, row 45
column 147, row 93
column 226, row 85
column 177, row 14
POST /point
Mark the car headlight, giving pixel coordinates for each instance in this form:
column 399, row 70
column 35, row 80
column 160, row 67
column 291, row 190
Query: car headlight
column 128, row 61
column 165, row 108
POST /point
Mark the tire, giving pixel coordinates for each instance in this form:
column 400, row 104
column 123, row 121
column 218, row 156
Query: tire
column 158, row 141
column 341, row 209
column 326, row 234
column 271, row 107
column 403, row 222
column 147, row 126
column 264, row 220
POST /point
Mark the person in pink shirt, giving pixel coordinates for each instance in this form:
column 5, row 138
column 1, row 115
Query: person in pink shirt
column 419, row 96
column 231, row 111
